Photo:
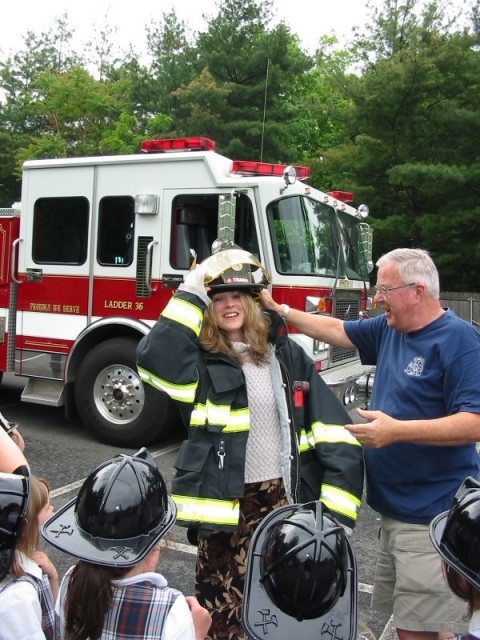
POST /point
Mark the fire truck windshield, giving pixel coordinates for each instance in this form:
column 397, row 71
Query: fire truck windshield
column 356, row 259
column 310, row 238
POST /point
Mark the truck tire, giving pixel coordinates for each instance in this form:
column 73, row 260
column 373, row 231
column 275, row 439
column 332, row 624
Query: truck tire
column 113, row 402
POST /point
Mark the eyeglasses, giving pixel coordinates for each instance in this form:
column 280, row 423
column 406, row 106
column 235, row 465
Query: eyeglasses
column 385, row 291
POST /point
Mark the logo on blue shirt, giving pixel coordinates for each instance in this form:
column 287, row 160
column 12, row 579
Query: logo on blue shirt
column 415, row 368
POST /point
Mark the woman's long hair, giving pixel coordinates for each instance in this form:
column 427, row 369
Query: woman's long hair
column 89, row 597
column 255, row 328
column 29, row 537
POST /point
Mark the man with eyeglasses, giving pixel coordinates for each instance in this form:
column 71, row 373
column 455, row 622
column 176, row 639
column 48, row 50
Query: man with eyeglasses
column 419, row 435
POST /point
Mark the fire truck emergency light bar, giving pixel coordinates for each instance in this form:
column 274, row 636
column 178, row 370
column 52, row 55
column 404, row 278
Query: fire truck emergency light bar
column 343, row 196
column 246, row 167
column 178, row 144
column 206, row 144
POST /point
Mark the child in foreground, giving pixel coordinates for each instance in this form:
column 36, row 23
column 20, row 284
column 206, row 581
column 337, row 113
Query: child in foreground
column 29, row 581
column 456, row 536
column 114, row 528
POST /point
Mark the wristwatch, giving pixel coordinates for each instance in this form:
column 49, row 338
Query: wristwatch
column 285, row 311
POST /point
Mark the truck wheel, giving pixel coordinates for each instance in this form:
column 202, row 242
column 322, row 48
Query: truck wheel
column 112, row 400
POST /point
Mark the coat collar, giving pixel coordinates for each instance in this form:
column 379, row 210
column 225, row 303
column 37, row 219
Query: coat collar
column 278, row 333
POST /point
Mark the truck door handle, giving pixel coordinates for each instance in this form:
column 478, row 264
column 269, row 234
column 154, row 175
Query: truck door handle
column 148, row 265
column 14, row 260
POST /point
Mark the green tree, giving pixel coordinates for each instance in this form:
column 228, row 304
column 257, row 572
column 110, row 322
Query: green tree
column 173, row 64
column 19, row 121
column 320, row 108
column 200, row 107
column 412, row 136
column 82, row 116
column 257, row 67
column 18, row 72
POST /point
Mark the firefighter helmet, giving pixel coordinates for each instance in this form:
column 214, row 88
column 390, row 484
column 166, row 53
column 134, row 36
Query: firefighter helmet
column 14, row 490
column 232, row 269
column 121, row 511
column 456, row 533
column 301, row 568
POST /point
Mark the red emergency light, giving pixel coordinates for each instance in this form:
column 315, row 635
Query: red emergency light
column 178, row 144
column 247, row 167
column 343, row 196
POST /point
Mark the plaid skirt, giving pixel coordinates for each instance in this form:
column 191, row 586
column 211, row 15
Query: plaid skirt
column 221, row 560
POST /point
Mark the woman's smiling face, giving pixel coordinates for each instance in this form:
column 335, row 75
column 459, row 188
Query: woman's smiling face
column 229, row 314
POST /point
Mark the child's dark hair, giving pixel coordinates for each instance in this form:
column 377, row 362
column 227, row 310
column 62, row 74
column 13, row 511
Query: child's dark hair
column 462, row 588
column 89, row 597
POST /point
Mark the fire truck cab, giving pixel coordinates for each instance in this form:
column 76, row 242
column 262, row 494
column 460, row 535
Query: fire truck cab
column 98, row 245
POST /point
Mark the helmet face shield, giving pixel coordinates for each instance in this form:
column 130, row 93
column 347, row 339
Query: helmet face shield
column 456, row 533
column 301, row 576
column 121, row 511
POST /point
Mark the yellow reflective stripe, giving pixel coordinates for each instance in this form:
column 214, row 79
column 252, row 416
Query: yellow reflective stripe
column 340, row 501
column 305, row 441
column 233, row 420
column 332, row 433
column 184, row 313
column 179, row 392
column 198, row 417
column 207, row 510
column 239, row 420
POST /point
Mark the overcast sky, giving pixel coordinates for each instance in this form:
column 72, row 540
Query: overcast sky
column 308, row 18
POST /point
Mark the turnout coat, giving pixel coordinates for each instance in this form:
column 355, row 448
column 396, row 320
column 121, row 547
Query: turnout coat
column 320, row 458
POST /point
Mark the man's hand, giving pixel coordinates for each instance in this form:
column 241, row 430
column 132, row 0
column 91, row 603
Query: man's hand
column 201, row 618
column 268, row 302
column 379, row 431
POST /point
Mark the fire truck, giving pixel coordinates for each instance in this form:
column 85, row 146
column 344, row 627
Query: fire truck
column 98, row 245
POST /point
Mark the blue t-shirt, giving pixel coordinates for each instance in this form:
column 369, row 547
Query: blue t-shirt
column 425, row 374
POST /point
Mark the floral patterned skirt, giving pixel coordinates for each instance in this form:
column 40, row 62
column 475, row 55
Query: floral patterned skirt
column 221, row 560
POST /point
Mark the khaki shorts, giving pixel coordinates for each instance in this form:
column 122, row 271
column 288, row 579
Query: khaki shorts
column 409, row 581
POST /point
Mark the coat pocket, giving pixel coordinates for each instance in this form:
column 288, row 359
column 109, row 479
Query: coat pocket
column 190, row 463
column 225, row 380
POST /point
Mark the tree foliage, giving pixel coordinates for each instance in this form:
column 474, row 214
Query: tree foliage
column 411, row 136
column 258, row 66
column 393, row 116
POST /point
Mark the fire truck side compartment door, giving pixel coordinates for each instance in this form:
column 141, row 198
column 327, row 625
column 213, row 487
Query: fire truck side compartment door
column 53, row 266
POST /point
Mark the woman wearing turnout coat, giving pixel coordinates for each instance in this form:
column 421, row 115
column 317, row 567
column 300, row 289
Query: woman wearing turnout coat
column 253, row 444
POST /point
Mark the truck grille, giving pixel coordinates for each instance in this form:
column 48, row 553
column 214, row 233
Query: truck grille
column 346, row 307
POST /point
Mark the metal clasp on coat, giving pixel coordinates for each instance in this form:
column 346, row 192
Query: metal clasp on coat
column 221, row 454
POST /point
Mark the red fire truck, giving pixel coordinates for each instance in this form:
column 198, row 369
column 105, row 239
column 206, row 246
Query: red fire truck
column 98, row 245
